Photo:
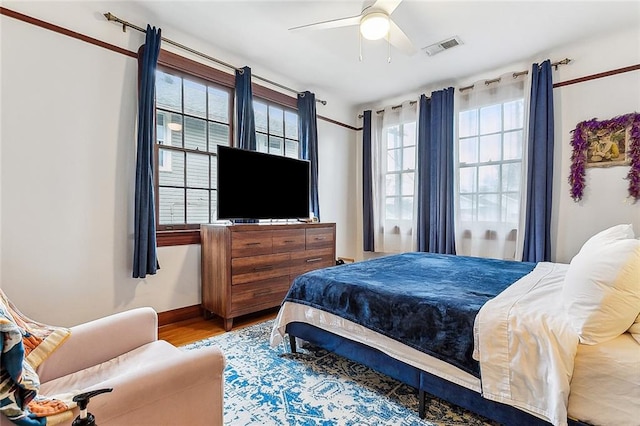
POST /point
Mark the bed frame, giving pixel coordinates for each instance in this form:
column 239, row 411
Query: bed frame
column 428, row 385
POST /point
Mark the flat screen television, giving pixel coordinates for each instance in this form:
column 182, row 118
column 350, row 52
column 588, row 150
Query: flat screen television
column 255, row 185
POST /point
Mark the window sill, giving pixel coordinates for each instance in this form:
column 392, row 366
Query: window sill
column 177, row 238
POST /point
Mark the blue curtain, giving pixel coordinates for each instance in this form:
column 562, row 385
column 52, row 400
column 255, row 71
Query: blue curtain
column 245, row 121
column 145, row 256
column 537, row 235
column 367, row 185
column 424, row 173
column 435, row 229
column 308, row 134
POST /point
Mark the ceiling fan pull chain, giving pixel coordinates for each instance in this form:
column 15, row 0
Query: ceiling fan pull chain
column 360, row 45
column 389, row 46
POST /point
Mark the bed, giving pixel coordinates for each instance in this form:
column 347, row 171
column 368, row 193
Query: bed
column 432, row 321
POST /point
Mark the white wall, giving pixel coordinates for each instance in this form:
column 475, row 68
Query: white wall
column 336, row 188
column 67, row 170
column 605, row 202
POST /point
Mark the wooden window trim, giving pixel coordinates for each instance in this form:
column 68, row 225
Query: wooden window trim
column 184, row 234
column 195, row 69
column 274, row 97
column 178, row 238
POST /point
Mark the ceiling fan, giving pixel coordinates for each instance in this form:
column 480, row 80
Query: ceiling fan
column 375, row 23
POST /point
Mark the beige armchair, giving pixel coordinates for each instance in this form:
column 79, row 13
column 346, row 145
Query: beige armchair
column 154, row 383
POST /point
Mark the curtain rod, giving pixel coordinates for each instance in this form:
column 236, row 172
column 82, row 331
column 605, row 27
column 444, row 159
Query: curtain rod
column 380, row 111
column 110, row 17
column 555, row 65
column 565, row 61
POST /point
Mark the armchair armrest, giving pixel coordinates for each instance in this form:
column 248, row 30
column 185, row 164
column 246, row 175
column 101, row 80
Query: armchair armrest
column 187, row 388
column 97, row 341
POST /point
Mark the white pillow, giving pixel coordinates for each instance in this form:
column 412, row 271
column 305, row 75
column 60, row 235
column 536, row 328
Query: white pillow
column 602, row 286
column 617, row 232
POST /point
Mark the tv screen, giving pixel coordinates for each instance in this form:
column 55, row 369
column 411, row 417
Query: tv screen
column 255, row 185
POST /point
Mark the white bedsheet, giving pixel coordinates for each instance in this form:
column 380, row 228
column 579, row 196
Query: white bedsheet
column 605, row 388
column 526, row 347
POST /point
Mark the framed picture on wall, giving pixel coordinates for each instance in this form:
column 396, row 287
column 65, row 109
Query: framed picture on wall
column 608, row 146
column 604, row 143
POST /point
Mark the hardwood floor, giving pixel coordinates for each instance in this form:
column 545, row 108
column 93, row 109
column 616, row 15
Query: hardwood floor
column 191, row 330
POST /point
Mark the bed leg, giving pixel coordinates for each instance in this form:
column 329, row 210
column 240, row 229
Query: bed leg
column 421, row 402
column 292, row 343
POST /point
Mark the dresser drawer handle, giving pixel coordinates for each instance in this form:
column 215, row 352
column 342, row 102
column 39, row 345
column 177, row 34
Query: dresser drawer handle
column 315, row 259
column 320, row 238
column 253, row 244
column 263, row 268
column 289, row 241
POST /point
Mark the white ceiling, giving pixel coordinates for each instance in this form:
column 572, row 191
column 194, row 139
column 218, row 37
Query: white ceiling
column 495, row 34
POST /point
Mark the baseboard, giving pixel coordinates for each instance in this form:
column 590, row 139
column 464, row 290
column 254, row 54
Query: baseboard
column 180, row 314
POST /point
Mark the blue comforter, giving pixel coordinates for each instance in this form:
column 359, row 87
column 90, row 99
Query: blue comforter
column 426, row 301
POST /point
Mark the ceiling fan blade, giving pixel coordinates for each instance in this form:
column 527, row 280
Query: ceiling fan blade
column 387, row 5
column 399, row 39
column 333, row 23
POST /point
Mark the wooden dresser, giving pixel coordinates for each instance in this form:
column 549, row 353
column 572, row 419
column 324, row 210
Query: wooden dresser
column 249, row 267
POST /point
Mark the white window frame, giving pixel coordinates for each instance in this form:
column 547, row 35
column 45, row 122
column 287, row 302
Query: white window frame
column 402, row 174
column 393, row 235
column 500, row 232
column 501, row 193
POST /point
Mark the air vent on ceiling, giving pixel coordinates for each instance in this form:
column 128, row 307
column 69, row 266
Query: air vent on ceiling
column 442, row 45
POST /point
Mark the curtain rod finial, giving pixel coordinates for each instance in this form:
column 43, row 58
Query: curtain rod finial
column 110, row 17
column 565, row 61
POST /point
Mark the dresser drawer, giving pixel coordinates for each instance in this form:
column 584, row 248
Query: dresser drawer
column 319, row 237
column 309, row 260
column 258, row 295
column 251, row 243
column 256, row 268
column 287, row 240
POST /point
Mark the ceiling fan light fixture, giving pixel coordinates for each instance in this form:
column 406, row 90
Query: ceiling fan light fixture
column 374, row 25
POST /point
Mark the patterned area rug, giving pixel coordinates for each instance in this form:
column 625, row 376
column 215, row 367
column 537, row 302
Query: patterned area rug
column 270, row 386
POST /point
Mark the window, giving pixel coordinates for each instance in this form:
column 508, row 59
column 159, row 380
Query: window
column 400, row 172
column 490, row 161
column 393, row 151
column 491, row 142
column 193, row 118
column 194, row 106
column 276, row 129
